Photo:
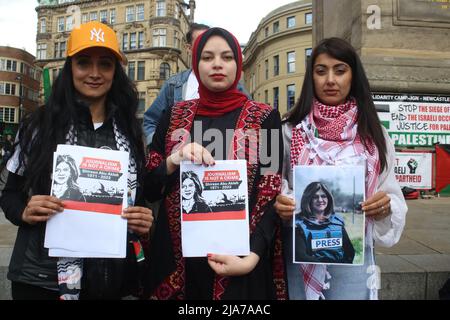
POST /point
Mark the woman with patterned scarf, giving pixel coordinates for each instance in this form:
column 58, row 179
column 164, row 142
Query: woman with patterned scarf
column 335, row 123
column 93, row 103
column 217, row 64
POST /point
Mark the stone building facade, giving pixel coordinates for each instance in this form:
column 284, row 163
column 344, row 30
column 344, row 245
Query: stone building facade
column 276, row 53
column 151, row 34
column 404, row 44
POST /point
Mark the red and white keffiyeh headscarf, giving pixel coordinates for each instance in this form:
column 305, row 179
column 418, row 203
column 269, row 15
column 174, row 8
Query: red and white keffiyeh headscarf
column 327, row 136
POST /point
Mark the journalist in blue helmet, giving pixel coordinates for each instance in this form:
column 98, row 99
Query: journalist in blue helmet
column 320, row 234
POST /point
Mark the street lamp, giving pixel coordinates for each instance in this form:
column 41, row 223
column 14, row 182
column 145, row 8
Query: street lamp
column 20, row 78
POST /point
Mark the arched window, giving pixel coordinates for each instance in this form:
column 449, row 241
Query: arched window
column 164, row 70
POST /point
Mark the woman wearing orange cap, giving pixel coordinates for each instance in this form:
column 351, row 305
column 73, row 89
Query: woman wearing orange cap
column 93, row 103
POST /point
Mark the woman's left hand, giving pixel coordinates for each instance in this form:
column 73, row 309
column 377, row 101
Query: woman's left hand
column 225, row 265
column 377, row 206
column 140, row 219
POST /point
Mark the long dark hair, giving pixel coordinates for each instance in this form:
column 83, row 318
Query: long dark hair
column 308, row 195
column 369, row 126
column 43, row 129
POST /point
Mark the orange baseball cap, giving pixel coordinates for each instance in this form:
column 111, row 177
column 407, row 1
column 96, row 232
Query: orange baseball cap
column 93, row 34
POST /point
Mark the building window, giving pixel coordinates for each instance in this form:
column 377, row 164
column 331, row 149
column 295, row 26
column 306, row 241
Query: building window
column 253, row 84
column 61, row 24
column 266, row 96
column 140, row 12
column 125, row 42
column 266, row 32
column 131, row 70
column 84, row 18
column 276, row 27
column 8, row 88
column 176, row 39
column 266, row 64
column 275, row 98
column 164, row 71
column 41, row 52
column 129, row 12
column 290, row 22
column 159, row 37
column 7, row 114
column 43, row 28
column 93, row 16
column 104, row 16
column 308, row 18
column 291, row 62
column 11, row 65
column 276, row 65
column 141, row 70
column 308, row 52
column 290, row 96
column 141, row 103
column 140, row 39
column 112, row 16
column 161, row 8
column 177, row 11
column 133, row 41
column 60, row 49
column 69, row 23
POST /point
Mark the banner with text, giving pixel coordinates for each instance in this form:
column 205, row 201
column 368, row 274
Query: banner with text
column 414, row 169
column 414, row 120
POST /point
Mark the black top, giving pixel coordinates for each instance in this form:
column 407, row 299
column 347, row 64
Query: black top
column 30, row 262
column 199, row 277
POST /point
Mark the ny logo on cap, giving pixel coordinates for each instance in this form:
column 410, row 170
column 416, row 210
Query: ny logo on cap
column 99, row 35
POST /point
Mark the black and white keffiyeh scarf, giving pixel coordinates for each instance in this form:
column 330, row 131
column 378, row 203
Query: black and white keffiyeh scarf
column 70, row 270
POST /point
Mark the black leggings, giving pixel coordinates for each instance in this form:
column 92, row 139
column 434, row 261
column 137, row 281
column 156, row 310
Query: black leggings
column 22, row 291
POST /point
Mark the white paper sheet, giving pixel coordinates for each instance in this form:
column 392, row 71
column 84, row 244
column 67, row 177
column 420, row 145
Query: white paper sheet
column 224, row 227
column 91, row 224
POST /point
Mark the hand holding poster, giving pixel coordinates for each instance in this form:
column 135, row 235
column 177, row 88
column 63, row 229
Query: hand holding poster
column 328, row 225
column 214, row 209
column 92, row 184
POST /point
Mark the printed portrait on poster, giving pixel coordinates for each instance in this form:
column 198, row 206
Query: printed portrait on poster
column 328, row 224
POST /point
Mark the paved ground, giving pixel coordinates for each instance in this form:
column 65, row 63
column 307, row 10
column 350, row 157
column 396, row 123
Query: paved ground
column 416, row 268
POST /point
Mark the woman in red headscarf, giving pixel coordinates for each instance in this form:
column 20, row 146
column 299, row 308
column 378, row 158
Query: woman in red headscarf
column 217, row 63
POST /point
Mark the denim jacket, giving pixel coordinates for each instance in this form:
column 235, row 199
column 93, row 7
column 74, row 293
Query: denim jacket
column 171, row 92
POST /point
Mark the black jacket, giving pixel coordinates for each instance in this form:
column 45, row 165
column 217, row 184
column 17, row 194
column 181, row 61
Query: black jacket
column 30, row 262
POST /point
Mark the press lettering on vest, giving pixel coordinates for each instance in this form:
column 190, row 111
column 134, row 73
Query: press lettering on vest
column 326, row 243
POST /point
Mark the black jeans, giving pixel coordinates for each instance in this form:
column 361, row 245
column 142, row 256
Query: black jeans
column 22, row 291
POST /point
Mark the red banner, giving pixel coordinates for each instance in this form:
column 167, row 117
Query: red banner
column 442, row 166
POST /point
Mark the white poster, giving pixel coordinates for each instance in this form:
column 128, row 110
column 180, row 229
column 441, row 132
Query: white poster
column 214, row 209
column 414, row 169
column 93, row 186
column 328, row 225
column 414, row 120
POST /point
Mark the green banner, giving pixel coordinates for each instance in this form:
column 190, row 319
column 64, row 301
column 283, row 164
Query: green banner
column 47, row 83
column 419, row 139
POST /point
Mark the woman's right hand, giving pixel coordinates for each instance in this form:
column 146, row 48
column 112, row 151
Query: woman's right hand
column 190, row 152
column 41, row 208
column 285, row 207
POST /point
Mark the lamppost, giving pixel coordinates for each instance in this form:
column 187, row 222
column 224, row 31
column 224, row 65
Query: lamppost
column 20, row 78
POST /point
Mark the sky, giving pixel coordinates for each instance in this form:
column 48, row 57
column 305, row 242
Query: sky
column 18, row 18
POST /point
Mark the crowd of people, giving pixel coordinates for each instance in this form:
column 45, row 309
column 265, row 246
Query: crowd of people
column 93, row 103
